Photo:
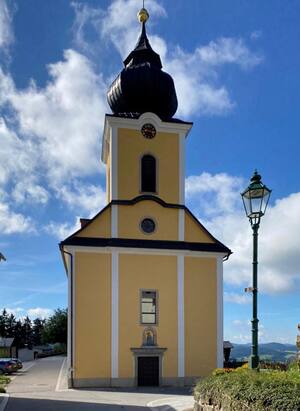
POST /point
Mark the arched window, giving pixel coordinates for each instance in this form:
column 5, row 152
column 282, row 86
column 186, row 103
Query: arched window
column 148, row 174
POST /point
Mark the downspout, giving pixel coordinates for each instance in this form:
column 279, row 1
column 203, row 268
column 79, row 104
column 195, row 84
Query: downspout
column 71, row 312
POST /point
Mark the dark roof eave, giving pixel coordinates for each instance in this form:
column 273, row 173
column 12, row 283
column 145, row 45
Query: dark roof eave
column 151, row 244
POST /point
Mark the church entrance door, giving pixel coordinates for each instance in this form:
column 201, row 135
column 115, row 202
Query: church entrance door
column 148, row 371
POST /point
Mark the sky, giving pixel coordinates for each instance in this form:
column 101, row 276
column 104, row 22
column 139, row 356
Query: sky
column 236, row 69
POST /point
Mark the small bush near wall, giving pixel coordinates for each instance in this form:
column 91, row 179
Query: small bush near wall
column 249, row 390
column 3, row 382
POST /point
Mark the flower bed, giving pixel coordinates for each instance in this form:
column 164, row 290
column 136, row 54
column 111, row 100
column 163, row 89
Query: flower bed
column 249, row 390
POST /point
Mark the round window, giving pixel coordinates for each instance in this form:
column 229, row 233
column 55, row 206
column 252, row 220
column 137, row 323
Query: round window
column 148, row 225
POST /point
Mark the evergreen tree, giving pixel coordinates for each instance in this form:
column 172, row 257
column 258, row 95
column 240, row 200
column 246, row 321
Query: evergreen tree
column 27, row 336
column 37, row 331
column 18, row 334
column 3, row 323
column 55, row 330
column 11, row 325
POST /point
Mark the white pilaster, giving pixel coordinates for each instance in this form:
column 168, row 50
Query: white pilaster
column 220, row 355
column 114, row 163
column 73, row 310
column 69, row 268
column 180, row 287
column 181, row 168
column 115, row 315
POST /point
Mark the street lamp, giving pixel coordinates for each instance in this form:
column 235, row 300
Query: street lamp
column 255, row 199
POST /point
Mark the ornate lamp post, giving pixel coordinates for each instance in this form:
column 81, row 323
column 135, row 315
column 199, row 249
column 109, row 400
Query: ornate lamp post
column 255, row 199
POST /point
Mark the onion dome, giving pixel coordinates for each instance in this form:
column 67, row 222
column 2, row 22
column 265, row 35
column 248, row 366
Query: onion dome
column 142, row 86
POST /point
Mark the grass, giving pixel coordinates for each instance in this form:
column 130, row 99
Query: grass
column 243, row 389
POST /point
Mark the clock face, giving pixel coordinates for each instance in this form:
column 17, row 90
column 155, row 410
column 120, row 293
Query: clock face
column 148, row 225
column 148, row 130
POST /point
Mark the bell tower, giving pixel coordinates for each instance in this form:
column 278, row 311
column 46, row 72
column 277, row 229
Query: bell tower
column 143, row 145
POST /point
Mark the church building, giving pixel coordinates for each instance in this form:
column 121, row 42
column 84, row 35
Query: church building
column 145, row 277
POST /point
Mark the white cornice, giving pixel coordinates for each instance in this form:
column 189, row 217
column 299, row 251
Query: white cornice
column 151, row 251
column 136, row 124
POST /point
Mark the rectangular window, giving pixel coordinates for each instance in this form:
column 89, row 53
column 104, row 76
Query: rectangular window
column 148, row 307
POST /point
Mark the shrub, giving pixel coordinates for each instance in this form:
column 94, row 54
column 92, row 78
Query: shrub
column 3, row 381
column 251, row 390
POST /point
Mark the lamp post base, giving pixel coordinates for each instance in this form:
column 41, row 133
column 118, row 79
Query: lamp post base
column 253, row 362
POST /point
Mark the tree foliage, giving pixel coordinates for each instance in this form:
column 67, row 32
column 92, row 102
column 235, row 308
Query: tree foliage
column 28, row 333
column 55, row 329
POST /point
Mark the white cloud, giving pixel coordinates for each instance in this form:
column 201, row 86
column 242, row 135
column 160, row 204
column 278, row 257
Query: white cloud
column 237, row 298
column 64, row 119
column 214, row 193
column 219, row 205
column 228, row 50
column 27, row 191
column 86, row 197
column 195, row 74
column 62, row 230
column 12, row 222
column 39, row 312
column 6, row 32
column 51, row 138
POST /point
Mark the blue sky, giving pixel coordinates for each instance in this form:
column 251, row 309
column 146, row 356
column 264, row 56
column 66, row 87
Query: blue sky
column 236, row 70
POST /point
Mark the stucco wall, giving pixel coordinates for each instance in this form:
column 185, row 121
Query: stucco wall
column 92, row 315
column 200, row 315
column 131, row 147
column 138, row 272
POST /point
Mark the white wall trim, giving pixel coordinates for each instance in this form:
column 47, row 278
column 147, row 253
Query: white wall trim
column 182, row 168
column 180, row 285
column 114, row 163
column 220, row 355
column 181, row 228
column 156, row 251
column 68, row 262
column 114, row 221
column 115, row 315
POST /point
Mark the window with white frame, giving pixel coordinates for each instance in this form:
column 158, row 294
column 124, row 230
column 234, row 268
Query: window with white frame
column 148, row 307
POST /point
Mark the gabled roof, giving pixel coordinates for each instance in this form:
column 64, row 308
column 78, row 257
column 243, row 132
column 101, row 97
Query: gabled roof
column 6, row 342
column 215, row 246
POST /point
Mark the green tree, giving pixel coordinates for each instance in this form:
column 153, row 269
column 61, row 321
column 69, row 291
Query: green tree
column 18, row 334
column 3, row 323
column 37, row 331
column 11, row 325
column 55, row 329
column 27, row 335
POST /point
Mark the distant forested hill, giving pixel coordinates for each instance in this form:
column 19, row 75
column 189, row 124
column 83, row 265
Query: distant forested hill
column 269, row 351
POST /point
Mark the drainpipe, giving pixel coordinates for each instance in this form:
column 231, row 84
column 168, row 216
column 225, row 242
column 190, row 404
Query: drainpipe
column 71, row 311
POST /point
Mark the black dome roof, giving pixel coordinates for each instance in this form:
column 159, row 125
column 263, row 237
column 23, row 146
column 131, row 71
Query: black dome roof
column 142, row 86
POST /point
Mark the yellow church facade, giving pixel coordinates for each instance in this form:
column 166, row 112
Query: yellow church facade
column 145, row 278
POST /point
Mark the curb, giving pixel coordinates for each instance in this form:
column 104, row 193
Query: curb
column 3, row 401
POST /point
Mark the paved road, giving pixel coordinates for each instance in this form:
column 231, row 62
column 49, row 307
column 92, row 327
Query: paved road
column 43, row 387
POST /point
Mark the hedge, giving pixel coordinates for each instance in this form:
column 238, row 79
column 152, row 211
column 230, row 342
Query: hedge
column 251, row 390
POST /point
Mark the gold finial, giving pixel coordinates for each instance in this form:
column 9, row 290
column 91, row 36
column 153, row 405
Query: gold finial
column 143, row 15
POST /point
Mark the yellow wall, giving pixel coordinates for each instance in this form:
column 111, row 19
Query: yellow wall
column 100, row 227
column 194, row 232
column 131, row 147
column 138, row 272
column 92, row 315
column 200, row 295
column 129, row 218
